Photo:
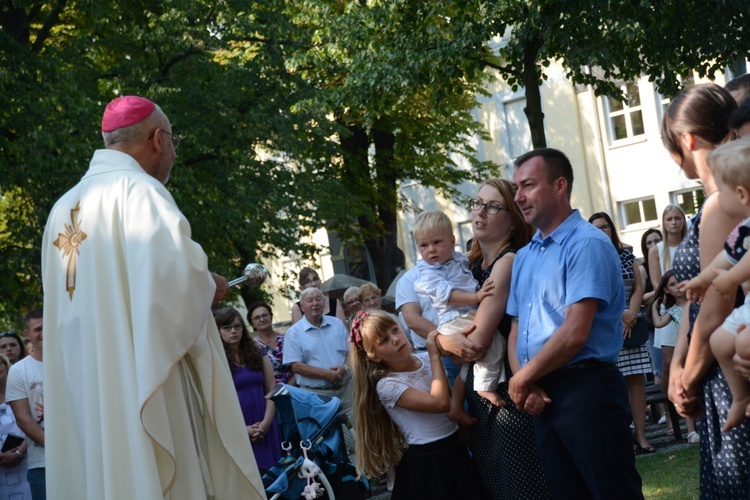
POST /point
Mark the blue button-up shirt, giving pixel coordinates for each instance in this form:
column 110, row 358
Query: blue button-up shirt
column 575, row 262
column 323, row 347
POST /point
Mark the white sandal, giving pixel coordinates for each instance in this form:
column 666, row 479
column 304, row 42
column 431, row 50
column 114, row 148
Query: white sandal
column 693, row 438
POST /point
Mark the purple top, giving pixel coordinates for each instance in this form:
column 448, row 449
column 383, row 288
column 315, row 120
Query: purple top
column 251, row 394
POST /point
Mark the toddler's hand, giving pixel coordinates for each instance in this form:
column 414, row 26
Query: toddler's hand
column 486, row 290
column 695, row 289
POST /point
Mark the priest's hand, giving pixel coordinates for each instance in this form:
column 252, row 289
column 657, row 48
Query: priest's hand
column 222, row 288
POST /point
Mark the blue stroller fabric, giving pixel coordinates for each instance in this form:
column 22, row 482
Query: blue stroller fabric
column 307, row 419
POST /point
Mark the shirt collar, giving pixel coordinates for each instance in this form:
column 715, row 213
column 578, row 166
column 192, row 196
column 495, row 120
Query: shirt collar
column 561, row 232
column 309, row 326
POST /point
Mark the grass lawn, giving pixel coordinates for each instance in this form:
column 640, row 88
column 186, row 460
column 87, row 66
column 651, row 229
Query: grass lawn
column 670, row 474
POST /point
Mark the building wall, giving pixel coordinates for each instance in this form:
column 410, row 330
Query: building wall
column 610, row 174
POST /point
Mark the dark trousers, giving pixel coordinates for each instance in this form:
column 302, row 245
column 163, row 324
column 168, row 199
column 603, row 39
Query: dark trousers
column 37, row 483
column 583, row 436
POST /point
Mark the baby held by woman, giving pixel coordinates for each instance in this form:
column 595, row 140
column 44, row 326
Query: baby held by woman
column 445, row 278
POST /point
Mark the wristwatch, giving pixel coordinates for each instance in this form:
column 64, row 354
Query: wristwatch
column 20, row 454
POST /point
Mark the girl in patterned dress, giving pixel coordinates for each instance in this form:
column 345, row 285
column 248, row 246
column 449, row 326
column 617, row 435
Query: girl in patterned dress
column 402, row 401
column 672, row 297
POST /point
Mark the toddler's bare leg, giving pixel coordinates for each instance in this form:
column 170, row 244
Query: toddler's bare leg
column 457, row 412
column 742, row 347
column 723, row 347
column 493, row 397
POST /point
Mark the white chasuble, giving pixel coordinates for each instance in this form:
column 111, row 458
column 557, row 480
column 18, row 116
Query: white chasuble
column 139, row 400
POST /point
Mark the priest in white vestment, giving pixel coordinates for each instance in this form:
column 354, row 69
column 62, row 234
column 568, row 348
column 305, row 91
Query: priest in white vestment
column 139, row 400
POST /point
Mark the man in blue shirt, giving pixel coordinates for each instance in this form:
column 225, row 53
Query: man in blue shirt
column 567, row 297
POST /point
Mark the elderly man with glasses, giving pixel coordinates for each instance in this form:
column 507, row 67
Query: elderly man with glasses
column 135, row 372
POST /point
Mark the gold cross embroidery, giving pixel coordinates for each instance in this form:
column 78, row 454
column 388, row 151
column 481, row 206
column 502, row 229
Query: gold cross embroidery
column 68, row 244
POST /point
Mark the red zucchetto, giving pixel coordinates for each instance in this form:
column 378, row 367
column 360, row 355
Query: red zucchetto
column 125, row 111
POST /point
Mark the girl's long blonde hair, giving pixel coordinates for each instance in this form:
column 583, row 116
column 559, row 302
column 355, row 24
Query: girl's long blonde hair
column 380, row 443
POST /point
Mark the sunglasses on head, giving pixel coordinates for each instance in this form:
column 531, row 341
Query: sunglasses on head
column 8, row 333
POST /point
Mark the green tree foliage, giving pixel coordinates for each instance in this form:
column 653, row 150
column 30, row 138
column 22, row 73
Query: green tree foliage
column 601, row 42
column 401, row 78
column 294, row 115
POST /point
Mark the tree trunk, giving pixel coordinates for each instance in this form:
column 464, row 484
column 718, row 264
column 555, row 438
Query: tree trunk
column 533, row 109
column 381, row 243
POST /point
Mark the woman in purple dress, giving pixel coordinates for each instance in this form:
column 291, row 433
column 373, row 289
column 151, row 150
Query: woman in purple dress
column 253, row 379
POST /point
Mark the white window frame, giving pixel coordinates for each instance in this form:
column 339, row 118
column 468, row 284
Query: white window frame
column 627, row 111
column 464, row 228
column 673, row 197
column 663, row 102
column 626, row 224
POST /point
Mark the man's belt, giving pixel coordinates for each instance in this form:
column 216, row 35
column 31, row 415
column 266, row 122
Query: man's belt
column 570, row 370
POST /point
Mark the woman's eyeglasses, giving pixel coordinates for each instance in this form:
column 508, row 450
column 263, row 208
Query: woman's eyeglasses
column 229, row 328
column 491, row 207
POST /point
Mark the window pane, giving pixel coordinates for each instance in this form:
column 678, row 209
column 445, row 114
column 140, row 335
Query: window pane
column 636, row 121
column 634, row 97
column 632, row 213
column 619, row 130
column 649, row 209
column 691, row 201
column 615, row 105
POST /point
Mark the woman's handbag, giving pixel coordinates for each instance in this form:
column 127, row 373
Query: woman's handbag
column 638, row 334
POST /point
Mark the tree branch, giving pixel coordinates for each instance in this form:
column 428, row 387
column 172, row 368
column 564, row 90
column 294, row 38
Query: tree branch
column 53, row 17
column 200, row 158
column 177, row 58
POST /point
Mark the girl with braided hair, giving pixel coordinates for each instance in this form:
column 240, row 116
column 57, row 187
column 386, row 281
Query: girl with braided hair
column 401, row 405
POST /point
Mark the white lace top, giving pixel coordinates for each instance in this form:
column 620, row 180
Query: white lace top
column 417, row 427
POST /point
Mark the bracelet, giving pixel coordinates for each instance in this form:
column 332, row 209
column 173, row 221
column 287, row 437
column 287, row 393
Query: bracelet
column 20, row 455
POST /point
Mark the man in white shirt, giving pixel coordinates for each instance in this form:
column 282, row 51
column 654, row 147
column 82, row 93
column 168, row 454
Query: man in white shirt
column 25, row 395
column 316, row 347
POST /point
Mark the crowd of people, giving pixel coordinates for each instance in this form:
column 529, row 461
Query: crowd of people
column 514, row 371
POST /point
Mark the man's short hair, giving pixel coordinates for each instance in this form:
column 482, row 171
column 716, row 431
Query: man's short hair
column 555, row 162
column 35, row 314
column 433, row 220
column 308, row 291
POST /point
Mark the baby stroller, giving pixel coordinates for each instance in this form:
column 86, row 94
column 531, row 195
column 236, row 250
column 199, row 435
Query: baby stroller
column 316, row 464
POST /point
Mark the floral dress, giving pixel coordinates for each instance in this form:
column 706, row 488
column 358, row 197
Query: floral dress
column 282, row 373
column 724, row 456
